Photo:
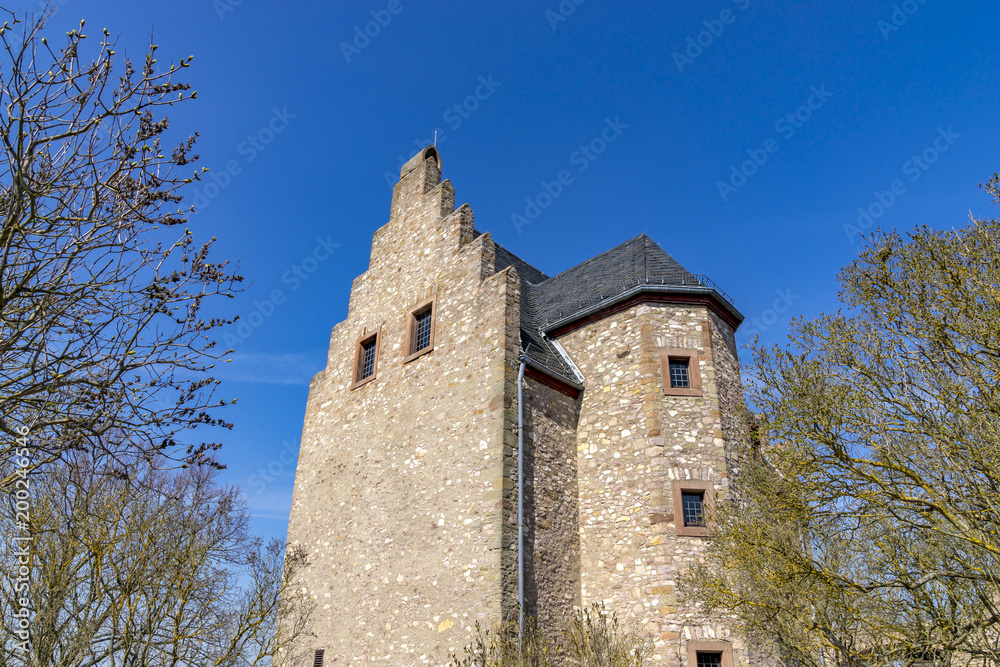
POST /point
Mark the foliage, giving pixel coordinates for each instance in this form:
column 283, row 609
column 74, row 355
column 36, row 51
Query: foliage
column 131, row 565
column 593, row 638
column 103, row 341
column 596, row 639
column 506, row 646
column 869, row 532
column 106, row 353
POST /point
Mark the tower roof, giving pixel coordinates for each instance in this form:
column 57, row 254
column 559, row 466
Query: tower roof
column 637, row 266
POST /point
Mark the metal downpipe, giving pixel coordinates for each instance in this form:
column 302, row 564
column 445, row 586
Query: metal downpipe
column 520, row 502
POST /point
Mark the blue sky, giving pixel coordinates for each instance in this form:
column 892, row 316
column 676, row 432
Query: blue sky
column 744, row 138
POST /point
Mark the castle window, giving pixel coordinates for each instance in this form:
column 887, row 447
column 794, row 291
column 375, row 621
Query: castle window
column 693, row 507
column 708, row 658
column 681, row 372
column 420, row 331
column 318, row 657
column 367, row 367
column 709, row 654
column 366, row 359
column 422, row 324
column 694, row 500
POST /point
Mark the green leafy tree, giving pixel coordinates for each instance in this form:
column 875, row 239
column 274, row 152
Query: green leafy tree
column 867, row 529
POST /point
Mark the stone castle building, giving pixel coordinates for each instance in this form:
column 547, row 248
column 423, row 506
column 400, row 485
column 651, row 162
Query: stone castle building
column 406, row 493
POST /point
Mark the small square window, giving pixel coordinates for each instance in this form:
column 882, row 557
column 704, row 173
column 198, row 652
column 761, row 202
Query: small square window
column 420, row 331
column 679, row 374
column 366, row 360
column 709, row 658
column 693, row 508
column 694, row 501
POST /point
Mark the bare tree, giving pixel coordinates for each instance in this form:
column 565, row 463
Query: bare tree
column 593, row 638
column 104, row 344
column 868, row 532
column 133, row 566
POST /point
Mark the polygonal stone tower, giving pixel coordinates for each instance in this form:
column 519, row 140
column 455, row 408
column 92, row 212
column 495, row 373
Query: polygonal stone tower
column 406, row 494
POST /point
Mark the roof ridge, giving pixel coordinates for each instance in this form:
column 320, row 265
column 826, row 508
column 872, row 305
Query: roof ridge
column 645, row 255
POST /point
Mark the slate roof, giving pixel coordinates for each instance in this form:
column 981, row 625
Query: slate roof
column 505, row 258
column 636, row 258
column 638, row 264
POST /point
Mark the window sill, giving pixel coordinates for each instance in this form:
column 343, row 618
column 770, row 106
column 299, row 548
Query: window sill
column 361, row 383
column 673, row 391
column 418, row 354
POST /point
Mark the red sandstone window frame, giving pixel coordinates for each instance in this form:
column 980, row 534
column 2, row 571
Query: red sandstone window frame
column 411, row 329
column 356, row 368
column 723, row 647
column 707, row 489
column 693, row 359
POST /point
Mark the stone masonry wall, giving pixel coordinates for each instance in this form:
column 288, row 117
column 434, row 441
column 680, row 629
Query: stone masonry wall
column 735, row 415
column 405, row 498
column 552, row 536
column 403, row 490
column 633, row 443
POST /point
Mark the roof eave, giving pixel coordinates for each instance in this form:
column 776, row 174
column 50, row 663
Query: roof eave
column 537, row 365
column 649, row 289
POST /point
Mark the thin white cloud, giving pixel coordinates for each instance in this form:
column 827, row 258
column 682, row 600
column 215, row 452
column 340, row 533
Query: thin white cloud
column 274, row 503
column 271, row 368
